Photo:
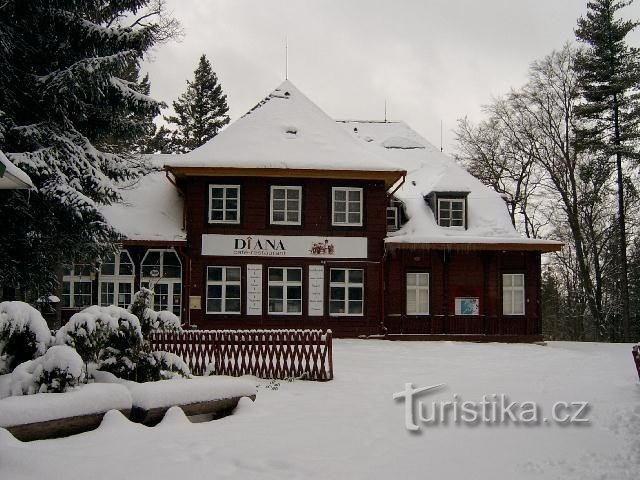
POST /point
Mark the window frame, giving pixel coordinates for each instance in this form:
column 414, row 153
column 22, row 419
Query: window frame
column 286, row 188
column 225, row 187
column 117, row 280
column 345, row 286
column 513, row 288
column 452, row 199
column 224, row 283
column 418, row 289
column 72, row 279
column 396, row 224
column 151, row 282
column 347, row 190
column 285, row 283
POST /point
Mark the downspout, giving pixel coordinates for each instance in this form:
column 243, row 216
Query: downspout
column 383, row 294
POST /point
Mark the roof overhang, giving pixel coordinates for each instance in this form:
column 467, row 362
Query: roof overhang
column 12, row 177
column 542, row 246
column 389, row 177
column 153, row 243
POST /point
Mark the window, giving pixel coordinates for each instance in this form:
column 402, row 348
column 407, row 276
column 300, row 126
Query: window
column 161, row 272
column 77, row 286
column 286, row 205
column 392, row 219
column 417, row 293
column 347, row 206
column 451, row 212
column 513, row 294
column 285, row 290
column 116, row 280
column 223, row 289
column 346, row 291
column 224, row 203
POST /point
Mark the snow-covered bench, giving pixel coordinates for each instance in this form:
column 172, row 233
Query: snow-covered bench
column 51, row 415
column 213, row 395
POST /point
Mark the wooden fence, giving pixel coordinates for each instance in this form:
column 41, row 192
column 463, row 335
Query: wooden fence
column 280, row 354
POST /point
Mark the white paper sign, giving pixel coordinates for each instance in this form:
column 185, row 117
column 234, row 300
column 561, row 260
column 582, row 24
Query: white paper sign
column 316, row 290
column 254, row 289
column 284, row 246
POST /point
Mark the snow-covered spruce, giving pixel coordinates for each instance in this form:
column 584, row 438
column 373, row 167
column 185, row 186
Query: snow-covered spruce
column 151, row 320
column 58, row 370
column 24, row 334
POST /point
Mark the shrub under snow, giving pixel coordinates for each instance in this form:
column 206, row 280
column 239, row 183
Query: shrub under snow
column 24, row 334
column 58, row 370
column 151, row 320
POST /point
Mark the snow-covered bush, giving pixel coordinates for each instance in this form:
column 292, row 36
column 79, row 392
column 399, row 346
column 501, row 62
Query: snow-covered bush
column 24, row 334
column 111, row 338
column 58, row 370
column 94, row 329
column 151, row 320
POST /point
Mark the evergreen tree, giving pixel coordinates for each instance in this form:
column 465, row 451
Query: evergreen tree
column 201, row 111
column 609, row 77
column 66, row 91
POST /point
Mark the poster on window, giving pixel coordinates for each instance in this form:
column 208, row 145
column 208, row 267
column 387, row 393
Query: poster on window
column 467, row 306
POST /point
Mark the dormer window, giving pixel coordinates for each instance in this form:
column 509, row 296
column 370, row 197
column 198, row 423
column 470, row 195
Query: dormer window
column 451, row 212
column 392, row 219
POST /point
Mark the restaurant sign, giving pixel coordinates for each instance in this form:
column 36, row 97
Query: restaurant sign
column 284, row 246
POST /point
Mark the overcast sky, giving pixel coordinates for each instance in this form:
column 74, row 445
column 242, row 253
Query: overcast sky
column 432, row 60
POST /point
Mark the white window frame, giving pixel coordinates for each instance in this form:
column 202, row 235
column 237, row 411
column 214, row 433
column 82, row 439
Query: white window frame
column 284, row 283
column 224, row 204
column 116, row 279
column 224, row 283
column 347, row 190
column 72, row 279
column 462, row 201
column 151, row 282
column 286, row 210
column 345, row 286
column 394, row 212
column 421, row 291
column 512, row 289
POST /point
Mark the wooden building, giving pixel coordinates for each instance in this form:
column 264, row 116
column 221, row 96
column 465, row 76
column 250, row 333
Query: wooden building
column 289, row 219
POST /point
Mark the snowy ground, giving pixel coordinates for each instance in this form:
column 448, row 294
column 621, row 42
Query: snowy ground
column 351, row 427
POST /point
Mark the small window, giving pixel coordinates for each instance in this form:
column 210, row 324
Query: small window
column 161, row 272
column 347, row 206
column 286, row 205
column 346, row 291
column 417, row 293
column 513, row 294
column 223, row 289
column 392, row 219
column 116, row 280
column 285, row 290
column 451, row 212
column 224, row 203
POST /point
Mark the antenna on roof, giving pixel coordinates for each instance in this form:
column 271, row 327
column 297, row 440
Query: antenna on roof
column 441, row 135
column 385, row 110
column 286, row 59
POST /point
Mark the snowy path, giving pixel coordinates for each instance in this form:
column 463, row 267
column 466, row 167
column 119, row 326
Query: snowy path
column 351, row 427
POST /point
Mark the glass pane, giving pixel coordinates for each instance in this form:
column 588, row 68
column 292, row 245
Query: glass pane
column 233, row 291
column 339, row 195
column 172, row 268
column 294, row 306
column 337, row 293
column 278, row 217
column 339, row 218
column 217, row 215
column 276, row 274
column 293, row 217
column 355, row 276
column 507, row 299
column 278, row 204
column 233, row 305
column 275, row 306
column 411, row 301
column 276, row 293
column 354, row 218
column 294, row 293
column 108, row 266
column 340, row 207
column 518, row 280
column 355, row 307
column 214, row 291
column 214, row 274
column 233, row 274
column 337, row 275
column 126, row 266
column 278, row 193
column 336, row 306
column 507, row 280
column 355, row 293
column 294, row 274
column 214, row 305
column 217, row 192
column 354, row 196
column 423, row 302
column 444, row 205
column 232, row 192
column 294, row 194
column 518, row 302
column 422, row 279
column 411, row 279
column 151, row 264
column 292, row 205
column 232, row 204
column 217, row 204
column 231, row 215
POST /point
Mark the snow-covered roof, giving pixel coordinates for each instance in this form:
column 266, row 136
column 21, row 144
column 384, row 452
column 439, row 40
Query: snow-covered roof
column 151, row 208
column 429, row 171
column 286, row 130
column 13, row 177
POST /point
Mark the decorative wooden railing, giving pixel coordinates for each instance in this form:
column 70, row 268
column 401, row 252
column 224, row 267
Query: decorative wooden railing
column 277, row 354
